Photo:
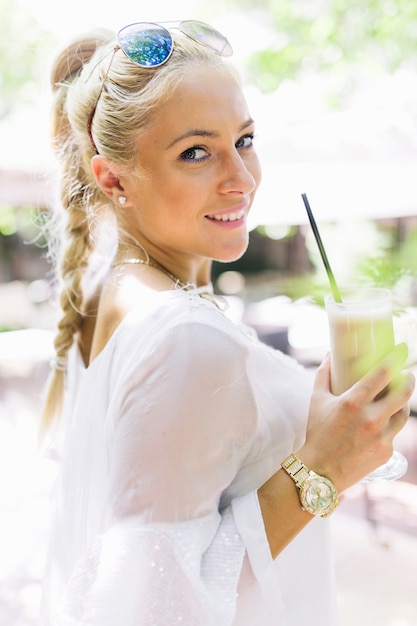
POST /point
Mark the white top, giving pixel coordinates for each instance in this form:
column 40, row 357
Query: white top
column 170, row 431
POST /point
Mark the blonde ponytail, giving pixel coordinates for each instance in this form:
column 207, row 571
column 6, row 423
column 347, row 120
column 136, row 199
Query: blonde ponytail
column 80, row 198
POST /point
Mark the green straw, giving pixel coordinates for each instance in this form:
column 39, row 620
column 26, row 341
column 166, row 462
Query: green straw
column 335, row 290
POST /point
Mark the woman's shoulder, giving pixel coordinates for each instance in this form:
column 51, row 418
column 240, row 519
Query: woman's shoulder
column 166, row 319
column 177, row 316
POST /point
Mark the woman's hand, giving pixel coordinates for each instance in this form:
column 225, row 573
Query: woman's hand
column 350, row 435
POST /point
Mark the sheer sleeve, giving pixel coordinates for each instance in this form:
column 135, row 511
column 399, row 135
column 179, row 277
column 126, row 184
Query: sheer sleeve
column 180, row 425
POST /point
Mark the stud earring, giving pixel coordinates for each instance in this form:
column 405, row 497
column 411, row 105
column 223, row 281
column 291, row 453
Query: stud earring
column 122, row 200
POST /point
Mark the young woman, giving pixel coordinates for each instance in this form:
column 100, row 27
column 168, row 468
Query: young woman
column 186, row 494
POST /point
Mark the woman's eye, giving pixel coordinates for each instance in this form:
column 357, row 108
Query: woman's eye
column 194, row 154
column 245, row 142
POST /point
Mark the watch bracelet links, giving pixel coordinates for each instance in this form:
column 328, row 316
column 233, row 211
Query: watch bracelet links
column 296, row 469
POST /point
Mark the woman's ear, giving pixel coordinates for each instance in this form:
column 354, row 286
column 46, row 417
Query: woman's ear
column 107, row 178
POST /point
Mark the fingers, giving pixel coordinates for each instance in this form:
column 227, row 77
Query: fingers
column 387, row 373
column 374, row 384
column 398, row 421
column 404, row 383
column 398, row 393
column 396, row 402
column 348, row 435
column 322, row 379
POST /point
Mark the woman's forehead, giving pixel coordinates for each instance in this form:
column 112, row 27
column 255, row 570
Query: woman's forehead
column 204, row 93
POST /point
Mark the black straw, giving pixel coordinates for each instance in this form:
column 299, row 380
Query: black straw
column 335, row 290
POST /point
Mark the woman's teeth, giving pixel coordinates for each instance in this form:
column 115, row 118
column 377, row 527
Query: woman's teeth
column 228, row 217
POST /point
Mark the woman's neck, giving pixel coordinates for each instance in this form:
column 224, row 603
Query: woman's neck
column 196, row 272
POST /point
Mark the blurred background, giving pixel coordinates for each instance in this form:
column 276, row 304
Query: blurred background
column 332, row 86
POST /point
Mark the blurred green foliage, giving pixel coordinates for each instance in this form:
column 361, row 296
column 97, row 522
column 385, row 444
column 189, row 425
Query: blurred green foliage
column 391, row 264
column 347, row 41
column 23, row 221
column 8, row 221
column 22, row 44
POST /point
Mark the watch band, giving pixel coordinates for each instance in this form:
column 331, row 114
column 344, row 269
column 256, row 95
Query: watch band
column 296, row 469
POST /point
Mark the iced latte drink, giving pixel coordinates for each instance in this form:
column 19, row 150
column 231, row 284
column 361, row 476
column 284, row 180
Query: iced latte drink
column 361, row 334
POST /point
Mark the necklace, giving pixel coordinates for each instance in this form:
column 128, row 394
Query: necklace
column 156, row 265
column 218, row 301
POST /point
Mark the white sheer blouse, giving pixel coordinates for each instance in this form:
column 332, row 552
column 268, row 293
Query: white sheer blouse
column 169, row 433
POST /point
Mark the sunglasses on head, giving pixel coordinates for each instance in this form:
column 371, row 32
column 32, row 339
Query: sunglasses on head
column 150, row 45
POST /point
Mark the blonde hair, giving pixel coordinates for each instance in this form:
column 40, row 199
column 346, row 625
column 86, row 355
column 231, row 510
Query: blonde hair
column 123, row 106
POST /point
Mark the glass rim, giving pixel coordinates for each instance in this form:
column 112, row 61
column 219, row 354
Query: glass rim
column 359, row 296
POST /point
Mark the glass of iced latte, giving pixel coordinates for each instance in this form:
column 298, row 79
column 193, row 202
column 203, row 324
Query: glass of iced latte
column 361, row 334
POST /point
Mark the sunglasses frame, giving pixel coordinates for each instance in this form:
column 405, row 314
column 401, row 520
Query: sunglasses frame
column 226, row 51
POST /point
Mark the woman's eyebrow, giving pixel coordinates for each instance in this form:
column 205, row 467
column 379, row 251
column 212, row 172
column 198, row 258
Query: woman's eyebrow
column 195, row 132
column 199, row 132
column 245, row 125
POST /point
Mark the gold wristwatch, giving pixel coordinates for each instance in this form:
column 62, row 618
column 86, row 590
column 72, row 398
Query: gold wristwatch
column 317, row 493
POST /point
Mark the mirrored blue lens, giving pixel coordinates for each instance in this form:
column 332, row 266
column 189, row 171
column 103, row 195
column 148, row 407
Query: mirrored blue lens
column 148, row 45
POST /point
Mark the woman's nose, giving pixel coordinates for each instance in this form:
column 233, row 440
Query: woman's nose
column 239, row 175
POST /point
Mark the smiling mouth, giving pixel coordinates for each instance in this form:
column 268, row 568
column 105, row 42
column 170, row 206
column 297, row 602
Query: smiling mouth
column 228, row 217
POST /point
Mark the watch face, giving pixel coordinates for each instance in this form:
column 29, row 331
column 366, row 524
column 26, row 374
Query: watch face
column 318, row 496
